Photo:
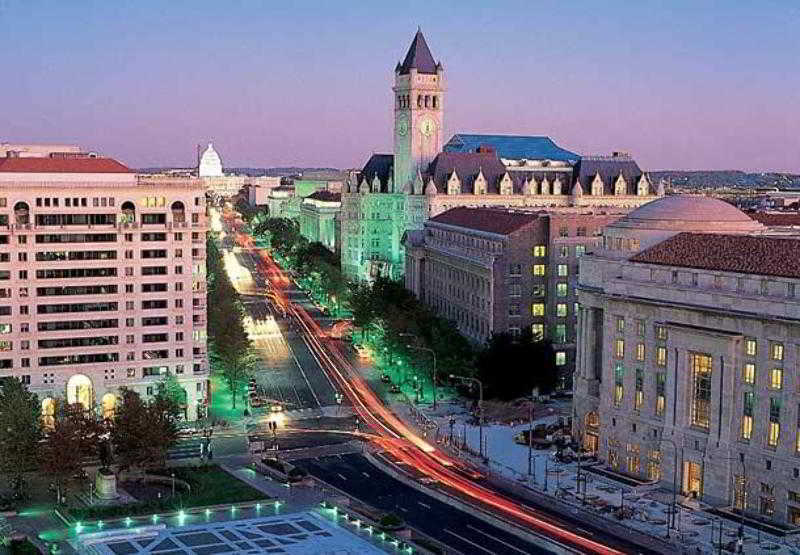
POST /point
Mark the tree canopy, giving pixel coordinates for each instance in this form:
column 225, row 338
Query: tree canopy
column 143, row 431
column 20, row 430
column 511, row 367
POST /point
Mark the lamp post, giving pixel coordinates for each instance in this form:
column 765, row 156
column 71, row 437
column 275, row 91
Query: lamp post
column 433, row 354
column 740, row 539
column 671, row 516
column 480, row 406
column 530, row 436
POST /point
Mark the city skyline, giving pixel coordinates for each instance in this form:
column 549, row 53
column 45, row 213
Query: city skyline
column 146, row 82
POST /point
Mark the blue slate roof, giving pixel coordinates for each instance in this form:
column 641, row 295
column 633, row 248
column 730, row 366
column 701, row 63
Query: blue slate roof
column 513, row 147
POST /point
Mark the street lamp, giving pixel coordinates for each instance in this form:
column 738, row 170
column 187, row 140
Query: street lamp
column 673, row 510
column 480, row 406
column 433, row 354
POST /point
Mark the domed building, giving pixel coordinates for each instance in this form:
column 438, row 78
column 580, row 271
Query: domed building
column 688, row 347
column 210, row 163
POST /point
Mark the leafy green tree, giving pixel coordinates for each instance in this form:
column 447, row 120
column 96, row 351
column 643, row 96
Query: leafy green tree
column 143, row 432
column 511, row 367
column 173, row 394
column 20, row 431
column 236, row 367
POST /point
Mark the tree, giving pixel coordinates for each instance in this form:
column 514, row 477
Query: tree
column 20, row 431
column 172, row 393
column 236, row 368
column 512, row 366
column 73, row 438
column 143, row 432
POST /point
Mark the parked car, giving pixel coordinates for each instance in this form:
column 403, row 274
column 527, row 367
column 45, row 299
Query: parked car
column 394, row 389
column 385, row 378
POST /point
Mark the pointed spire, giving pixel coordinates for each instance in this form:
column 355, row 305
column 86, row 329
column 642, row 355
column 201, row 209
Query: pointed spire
column 418, row 183
column 660, row 190
column 390, row 184
column 577, row 190
column 419, row 57
column 376, row 183
column 430, row 189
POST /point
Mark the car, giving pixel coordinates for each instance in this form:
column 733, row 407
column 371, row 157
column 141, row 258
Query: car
column 362, row 351
column 256, row 403
column 385, row 378
column 394, row 389
column 276, row 407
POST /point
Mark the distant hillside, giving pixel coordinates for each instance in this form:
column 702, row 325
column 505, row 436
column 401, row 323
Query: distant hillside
column 254, row 172
column 727, row 178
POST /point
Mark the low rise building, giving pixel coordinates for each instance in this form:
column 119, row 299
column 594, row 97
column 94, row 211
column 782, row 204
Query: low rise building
column 102, row 281
column 319, row 213
column 491, row 270
column 688, row 355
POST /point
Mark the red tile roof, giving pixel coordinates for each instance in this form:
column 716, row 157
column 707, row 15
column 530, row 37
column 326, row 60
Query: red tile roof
column 62, row 165
column 745, row 254
column 502, row 222
column 776, row 219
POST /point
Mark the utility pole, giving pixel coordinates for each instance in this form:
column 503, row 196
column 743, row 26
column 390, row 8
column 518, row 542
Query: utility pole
column 480, row 407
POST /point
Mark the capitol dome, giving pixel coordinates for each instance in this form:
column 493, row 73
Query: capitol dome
column 210, row 163
column 662, row 218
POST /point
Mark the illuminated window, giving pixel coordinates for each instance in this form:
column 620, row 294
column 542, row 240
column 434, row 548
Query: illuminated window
column 747, row 415
column 639, row 391
column 538, row 309
column 739, row 492
column 620, row 324
column 563, row 251
column 749, row 373
column 561, row 358
column 776, row 378
column 640, row 327
column 540, row 250
column 561, row 310
column 580, row 250
column 619, row 348
column 661, row 333
column 561, row 289
column 539, row 269
column 619, row 390
column 700, row 365
column 537, row 330
column 776, row 350
column 661, row 356
column 562, row 270
column 750, row 347
column 774, row 422
column 661, row 388
column 538, row 291
column 640, row 352
column 654, row 470
column 561, row 333
column 633, row 458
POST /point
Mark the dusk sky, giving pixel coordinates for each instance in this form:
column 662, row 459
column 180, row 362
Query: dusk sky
column 679, row 84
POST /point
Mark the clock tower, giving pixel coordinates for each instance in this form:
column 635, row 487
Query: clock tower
column 418, row 110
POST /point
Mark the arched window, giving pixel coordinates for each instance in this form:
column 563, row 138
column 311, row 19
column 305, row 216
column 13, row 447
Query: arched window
column 22, row 213
column 128, row 212
column 178, row 212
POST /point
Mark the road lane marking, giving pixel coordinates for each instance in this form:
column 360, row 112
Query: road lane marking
column 498, row 540
column 402, row 509
column 365, row 474
column 340, row 476
column 465, row 540
column 424, row 505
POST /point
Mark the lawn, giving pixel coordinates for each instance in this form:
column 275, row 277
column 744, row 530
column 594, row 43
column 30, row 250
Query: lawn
column 209, row 486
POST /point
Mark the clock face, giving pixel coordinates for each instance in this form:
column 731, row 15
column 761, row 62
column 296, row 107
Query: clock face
column 427, row 127
column 402, row 127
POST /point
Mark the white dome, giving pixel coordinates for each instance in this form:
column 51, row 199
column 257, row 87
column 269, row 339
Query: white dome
column 667, row 216
column 210, row 163
column 689, row 208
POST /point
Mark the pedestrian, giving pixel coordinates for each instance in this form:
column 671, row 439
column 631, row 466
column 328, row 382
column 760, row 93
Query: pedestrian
column 210, row 451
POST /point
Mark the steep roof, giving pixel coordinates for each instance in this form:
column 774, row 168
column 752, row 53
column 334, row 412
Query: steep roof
column 489, row 220
column 514, row 147
column 609, row 168
column 380, row 164
column 744, row 254
column 327, row 196
column 419, row 57
column 62, row 165
column 466, row 165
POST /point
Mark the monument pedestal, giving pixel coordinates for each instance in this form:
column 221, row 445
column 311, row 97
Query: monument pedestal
column 105, row 484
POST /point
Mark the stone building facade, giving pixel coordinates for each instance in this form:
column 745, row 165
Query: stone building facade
column 102, row 281
column 318, row 218
column 395, row 193
column 504, row 270
column 688, row 355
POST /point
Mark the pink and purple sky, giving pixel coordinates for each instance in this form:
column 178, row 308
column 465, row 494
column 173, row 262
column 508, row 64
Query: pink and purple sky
column 680, row 84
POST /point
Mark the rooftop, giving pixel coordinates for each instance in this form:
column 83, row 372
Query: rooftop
column 419, row 57
column 689, row 208
column 772, row 219
column 62, row 165
column 744, row 254
column 327, row 196
column 489, row 220
column 515, row 147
